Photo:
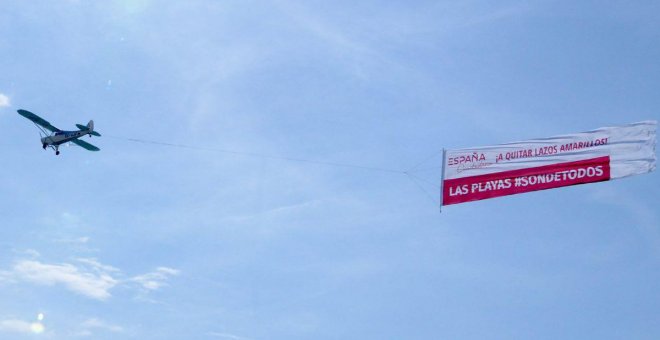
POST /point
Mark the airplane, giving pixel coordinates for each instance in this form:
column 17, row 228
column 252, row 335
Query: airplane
column 58, row 137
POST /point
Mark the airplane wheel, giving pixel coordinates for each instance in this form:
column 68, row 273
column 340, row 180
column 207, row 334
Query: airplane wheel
column 57, row 153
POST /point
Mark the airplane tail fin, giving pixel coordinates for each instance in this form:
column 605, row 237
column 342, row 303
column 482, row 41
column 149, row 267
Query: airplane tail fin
column 90, row 127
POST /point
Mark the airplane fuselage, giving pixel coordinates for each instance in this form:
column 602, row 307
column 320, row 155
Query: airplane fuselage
column 61, row 137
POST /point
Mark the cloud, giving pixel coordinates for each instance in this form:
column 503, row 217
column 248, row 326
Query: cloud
column 31, row 253
column 96, row 323
column 4, row 100
column 97, row 266
column 87, row 276
column 20, row 326
column 88, row 327
column 77, row 240
column 94, row 285
column 225, row 336
column 16, row 326
column 155, row 279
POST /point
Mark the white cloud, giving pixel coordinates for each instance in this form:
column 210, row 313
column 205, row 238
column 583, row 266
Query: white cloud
column 4, row 100
column 97, row 266
column 16, row 326
column 87, row 276
column 88, row 327
column 32, row 253
column 96, row 323
column 76, row 240
column 156, row 279
column 225, row 336
column 93, row 285
column 69, row 219
column 20, row 326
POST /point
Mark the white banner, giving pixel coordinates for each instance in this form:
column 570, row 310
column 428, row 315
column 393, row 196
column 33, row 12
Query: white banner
column 599, row 155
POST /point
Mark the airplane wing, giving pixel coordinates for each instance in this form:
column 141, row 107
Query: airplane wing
column 85, row 145
column 38, row 120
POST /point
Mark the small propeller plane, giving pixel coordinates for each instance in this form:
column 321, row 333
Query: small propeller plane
column 58, row 137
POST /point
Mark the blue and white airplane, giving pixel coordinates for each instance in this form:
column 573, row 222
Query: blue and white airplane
column 58, row 137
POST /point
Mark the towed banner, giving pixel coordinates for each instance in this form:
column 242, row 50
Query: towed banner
column 492, row 171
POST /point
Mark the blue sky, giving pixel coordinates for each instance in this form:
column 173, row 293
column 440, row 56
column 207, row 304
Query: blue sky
column 154, row 242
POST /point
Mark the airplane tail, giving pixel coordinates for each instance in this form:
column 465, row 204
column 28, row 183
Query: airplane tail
column 90, row 128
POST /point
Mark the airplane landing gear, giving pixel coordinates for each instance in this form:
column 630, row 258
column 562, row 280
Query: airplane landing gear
column 44, row 146
column 57, row 153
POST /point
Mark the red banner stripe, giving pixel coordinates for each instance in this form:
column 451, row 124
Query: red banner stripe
column 519, row 181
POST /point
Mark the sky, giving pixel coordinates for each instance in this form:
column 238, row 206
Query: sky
column 247, row 232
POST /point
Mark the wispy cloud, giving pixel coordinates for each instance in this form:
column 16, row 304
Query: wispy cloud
column 31, row 253
column 98, row 266
column 90, row 284
column 76, row 240
column 21, row 326
column 96, row 323
column 92, row 325
column 85, row 276
column 4, row 100
column 16, row 326
column 156, row 279
column 279, row 212
column 225, row 336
